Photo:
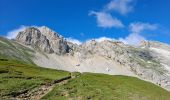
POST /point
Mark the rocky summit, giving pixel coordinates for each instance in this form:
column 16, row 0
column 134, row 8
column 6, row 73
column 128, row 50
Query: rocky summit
column 43, row 39
column 148, row 61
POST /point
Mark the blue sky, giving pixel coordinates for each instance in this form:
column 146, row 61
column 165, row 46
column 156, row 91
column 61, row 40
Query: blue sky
column 80, row 20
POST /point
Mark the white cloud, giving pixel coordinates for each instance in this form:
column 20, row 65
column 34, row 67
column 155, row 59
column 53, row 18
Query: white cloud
column 105, row 20
column 12, row 34
column 135, row 37
column 121, row 6
column 100, row 39
column 138, row 27
column 75, row 41
column 104, row 17
column 103, row 39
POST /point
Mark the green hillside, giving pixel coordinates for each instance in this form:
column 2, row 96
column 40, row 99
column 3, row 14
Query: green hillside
column 10, row 49
column 106, row 87
column 18, row 77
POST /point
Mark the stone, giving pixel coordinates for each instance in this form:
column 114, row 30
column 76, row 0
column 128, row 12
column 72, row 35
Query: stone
column 43, row 39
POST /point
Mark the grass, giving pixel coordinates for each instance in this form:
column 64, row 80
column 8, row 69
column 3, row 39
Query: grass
column 13, row 50
column 17, row 77
column 107, row 87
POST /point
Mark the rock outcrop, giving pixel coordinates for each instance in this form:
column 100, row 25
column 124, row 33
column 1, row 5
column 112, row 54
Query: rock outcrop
column 33, row 37
column 43, row 39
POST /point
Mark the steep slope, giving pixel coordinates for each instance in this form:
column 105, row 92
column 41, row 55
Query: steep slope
column 10, row 49
column 161, row 53
column 139, row 60
column 95, row 64
column 43, row 39
column 111, row 57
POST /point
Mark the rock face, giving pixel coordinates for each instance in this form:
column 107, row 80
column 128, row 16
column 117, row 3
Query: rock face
column 57, row 42
column 33, row 37
column 149, row 61
column 146, row 62
column 43, row 39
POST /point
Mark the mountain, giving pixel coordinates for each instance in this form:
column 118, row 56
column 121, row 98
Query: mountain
column 43, row 39
column 46, row 48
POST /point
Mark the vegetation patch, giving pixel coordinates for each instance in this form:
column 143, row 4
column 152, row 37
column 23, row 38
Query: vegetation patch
column 107, row 87
column 18, row 77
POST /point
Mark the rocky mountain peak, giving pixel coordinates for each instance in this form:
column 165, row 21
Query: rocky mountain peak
column 50, row 34
column 43, row 38
column 154, row 44
column 145, row 44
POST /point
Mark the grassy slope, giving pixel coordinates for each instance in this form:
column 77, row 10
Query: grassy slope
column 107, row 87
column 17, row 77
column 12, row 50
column 18, row 73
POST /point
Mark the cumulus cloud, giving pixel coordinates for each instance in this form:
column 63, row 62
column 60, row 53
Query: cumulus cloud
column 138, row 27
column 135, row 37
column 121, row 6
column 132, row 39
column 75, row 41
column 100, row 39
column 12, row 34
column 105, row 20
column 103, row 39
column 104, row 17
